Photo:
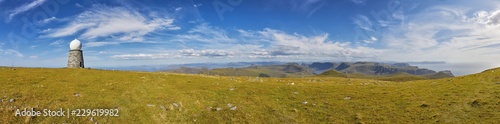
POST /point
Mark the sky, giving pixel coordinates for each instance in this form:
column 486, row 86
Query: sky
column 462, row 33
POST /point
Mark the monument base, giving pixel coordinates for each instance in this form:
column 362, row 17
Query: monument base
column 75, row 59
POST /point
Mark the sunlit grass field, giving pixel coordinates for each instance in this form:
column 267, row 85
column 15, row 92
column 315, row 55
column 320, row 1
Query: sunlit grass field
column 158, row 97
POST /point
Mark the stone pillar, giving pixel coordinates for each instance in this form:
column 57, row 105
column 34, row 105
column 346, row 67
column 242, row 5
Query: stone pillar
column 75, row 59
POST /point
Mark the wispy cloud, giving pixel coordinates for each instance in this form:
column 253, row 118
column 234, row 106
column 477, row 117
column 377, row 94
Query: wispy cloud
column 141, row 56
column 205, row 33
column 363, row 22
column 56, row 43
column 78, row 5
column 11, row 52
column 124, row 24
column 47, row 20
column 24, row 8
column 446, row 34
column 359, row 2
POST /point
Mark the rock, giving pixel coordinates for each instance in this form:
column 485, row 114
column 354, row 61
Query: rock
column 218, row 109
column 150, row 105
column 305, row 102
column 424, row 105
column 163, row 107
column 498, row 83
column 12, row 100
column 231, row 89
column 77, row 94
column 295, row 92
column 347, row 98
column 233, row 108
column 229, row 105
column 92, row 119
column 175, row 105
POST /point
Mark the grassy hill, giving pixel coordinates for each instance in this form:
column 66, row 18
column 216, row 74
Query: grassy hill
column 398, row 77
column 287, row 70
column 144, row 97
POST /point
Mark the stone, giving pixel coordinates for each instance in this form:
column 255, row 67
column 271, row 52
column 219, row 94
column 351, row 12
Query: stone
column 12, row 100
column 163, row 107
column 233, row 108
column 150, row 105
column 218, row 109
column 175, row 105
column 305, row 102
column 347, row 98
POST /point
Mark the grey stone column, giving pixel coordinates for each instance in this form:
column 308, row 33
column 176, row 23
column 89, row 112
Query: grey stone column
column 75, row 59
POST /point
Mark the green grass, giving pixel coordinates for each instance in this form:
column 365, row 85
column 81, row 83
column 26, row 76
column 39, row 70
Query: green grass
column 467, row 99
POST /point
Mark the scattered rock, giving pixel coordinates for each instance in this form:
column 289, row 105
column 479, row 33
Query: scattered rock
column 77, row 94
column 476, row 103
column 150, row 105
column 218, row 109
column 305, row 102
column 347, row 98
column 163, row 107
column 92, row 119
column 233, row 108
column 424, row 105
column 292, row 83
column 229, row 105
column 295, row 92
column 175, row 105
column 231, row 89
column 12, row 100
column 498, row 83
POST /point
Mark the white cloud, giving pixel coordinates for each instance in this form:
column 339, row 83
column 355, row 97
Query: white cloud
column 141, row 56
column 78, row 5
column 178, row 8
column 205, row 33
column 25, row 8
column 98, row 44
column 359, row 2
column 446, row 34
column 363, row 22
column 33, row 57
column 47, row 20
column 56, row 43
column 204, row 53
column 11, row 52
column 123, row 23
column 371, row 40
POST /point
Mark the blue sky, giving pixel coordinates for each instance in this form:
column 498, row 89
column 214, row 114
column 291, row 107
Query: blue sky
column 36, row 33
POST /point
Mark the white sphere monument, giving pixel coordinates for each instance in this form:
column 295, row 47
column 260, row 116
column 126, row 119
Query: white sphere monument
column 75, row 59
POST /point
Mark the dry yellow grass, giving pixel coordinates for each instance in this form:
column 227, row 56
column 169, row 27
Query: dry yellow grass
column 180, row 98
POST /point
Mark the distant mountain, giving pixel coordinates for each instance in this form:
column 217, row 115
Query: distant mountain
column 380, row 71
column 370, row 68
column 296, row 68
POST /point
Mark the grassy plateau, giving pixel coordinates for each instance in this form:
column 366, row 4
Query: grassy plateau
column 159, row 97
